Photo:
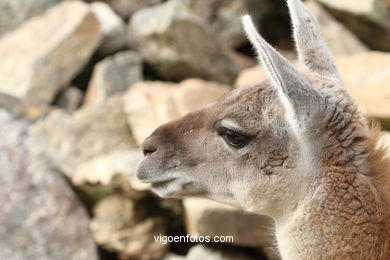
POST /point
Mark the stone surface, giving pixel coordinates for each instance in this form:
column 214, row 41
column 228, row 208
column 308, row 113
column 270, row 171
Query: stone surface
column 15, row 12
column 44, row 54
column 90, row 132
column 113, row 75
column 203, row 217
column 368, row 19
column 70, row 99
column 178, row 44
column 110, row 169
column 125, row 8
column 40, row 216
column 113, row 28
column 224, row 16
column 366, row 75
column 127, row 227
column 339, row 39
column 150, row 104
column 16, row 108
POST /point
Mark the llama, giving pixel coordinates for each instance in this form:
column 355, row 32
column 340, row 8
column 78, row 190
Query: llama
column 293, row 147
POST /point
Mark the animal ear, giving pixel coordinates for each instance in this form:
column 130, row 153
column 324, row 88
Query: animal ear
column 299, row 99
column 312, row 50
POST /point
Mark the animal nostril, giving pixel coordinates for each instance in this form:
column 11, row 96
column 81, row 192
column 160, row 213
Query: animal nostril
column 148, row 151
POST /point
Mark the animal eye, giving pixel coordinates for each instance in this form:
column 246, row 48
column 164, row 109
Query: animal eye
column 233, row 138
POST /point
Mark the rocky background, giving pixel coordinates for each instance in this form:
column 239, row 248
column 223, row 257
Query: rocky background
column 83, row 83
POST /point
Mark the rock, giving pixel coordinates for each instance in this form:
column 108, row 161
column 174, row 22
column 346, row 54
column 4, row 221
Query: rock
column 43, row 55
column 113, row 75
column 224, row 16
column 15, row 12
column 70, row 99
column 203, row 217
column 161, row 33
column 90, row 132
column 366, row 75
column 39, row 212
column 127, row 227
column 334, row 31
column 150, row 104
column 125, row 8
column 113, row 29
column 105, row 170
column 368, row 19
column 16, row 108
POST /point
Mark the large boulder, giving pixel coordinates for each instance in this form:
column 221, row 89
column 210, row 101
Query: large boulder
column 150, row 104
column 40, row 216
column 369, row 19
column 44, row 54
column 366, row 75
column 224, row 16
column 113, row 29
column 15, row 12
column 90, row 132
column 203, row 217
column 178, row 44
column 113, row 75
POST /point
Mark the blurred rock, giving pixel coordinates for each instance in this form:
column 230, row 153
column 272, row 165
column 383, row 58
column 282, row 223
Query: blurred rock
column 125, row 8
column 15, row 12
column 368, row 19
column 339, row 39
column 224, row 17
column 90, row 132
column 203, row 217
column 113, row 29
column 178, row 44
column 40, row 216
column 16, row 108
column 106, row 169
column 113, row 75
column 150, row 104
column 127, row 227
column 70, row 99
column 43, row 55
column 366, row 75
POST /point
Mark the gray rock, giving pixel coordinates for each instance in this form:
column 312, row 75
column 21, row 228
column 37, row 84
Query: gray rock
column 15, row 12
column 113, row 28
column 178, row 44
column 113, row 75
column 224, row 16
column 43, row 55
column 127, row 227
column 40, row 216
column 368, row 19
column 125, row 8
column 90, row 132
column 70, row 99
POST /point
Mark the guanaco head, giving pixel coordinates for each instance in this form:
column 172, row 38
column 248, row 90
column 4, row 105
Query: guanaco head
column 258, row 148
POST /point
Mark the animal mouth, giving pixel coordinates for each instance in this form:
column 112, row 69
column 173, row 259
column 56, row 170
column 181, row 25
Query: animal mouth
column 156, row 183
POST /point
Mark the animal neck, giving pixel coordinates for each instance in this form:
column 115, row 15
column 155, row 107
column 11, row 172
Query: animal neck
column 340, row 220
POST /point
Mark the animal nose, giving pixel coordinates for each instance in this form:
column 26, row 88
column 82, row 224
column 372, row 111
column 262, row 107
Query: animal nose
column 149, row 146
